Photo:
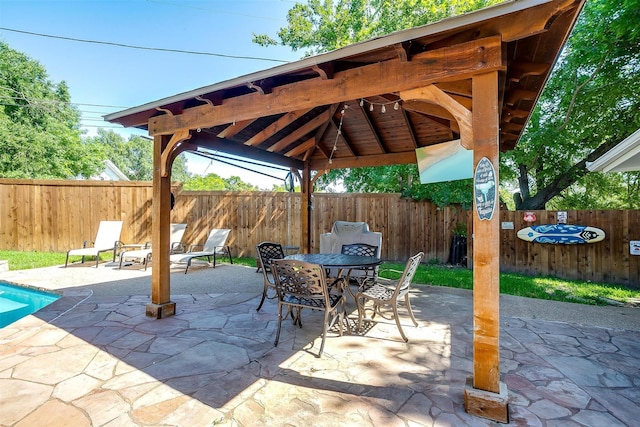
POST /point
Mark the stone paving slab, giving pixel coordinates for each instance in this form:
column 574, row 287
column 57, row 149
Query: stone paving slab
column 94, row 359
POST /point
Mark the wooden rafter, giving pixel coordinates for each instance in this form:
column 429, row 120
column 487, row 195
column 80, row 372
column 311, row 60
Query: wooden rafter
column 301, row 131
column 372, row 129
column 275, row 127
column 407, row 123
column 234, row 128
column 340, row 138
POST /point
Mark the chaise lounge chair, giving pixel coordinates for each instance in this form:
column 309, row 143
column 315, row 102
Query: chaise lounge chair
column 107, row 239
column 215, row 245
column 144, row 254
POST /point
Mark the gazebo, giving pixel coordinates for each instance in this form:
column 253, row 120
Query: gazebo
column 475, row 77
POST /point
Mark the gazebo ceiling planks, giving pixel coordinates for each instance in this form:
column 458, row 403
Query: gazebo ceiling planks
column 290, row 114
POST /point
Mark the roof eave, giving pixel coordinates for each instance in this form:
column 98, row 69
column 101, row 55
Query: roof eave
column 345, row 52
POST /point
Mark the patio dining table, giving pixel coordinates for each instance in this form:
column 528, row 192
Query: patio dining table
column 340, row 261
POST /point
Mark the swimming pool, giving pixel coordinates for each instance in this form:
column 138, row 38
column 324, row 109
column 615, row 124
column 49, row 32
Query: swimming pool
column 17, row 302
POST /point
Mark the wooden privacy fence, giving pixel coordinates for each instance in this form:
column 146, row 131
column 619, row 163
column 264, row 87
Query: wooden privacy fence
column 59, row 215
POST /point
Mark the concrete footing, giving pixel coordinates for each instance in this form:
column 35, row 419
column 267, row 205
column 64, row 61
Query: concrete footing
column 486, row 404
column 160, row 311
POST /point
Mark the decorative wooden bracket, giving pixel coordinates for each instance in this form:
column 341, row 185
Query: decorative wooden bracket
column 208, row 101
column 325, row 71
column 164, row 110
column 173, row 148
column 255, row 87
column 436, row 96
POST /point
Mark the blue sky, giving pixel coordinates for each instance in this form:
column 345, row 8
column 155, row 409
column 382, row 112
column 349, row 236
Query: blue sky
column 103, row 79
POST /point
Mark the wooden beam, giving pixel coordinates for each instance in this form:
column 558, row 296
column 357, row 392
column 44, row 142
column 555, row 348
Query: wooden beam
column 359, row 162
column 275, row 127
column 448, row 63
column 208, row 140
column 463, row 116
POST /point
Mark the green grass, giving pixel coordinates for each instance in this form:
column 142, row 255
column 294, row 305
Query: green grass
column 27, row 260
column 548, row 288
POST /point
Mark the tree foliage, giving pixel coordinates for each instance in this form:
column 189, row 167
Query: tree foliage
column 590, row 103
column 323, row 25
column 39, row 127
column 214, row 182
column 134, row 157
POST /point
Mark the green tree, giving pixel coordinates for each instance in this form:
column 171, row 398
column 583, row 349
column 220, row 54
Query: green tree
column 323, row 25
column 590, row 103
column 214, row 182
column 40, row 135
column 134, row 157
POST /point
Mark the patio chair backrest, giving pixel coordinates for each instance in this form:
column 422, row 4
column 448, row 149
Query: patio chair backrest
column 268, row 251
column 361, row 249
column 407, row 275
column 217, row 238
column 177, row 231
column 300, row 282
column 108, row 234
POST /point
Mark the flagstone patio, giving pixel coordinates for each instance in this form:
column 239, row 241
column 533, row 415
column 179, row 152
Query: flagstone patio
column 94, row 359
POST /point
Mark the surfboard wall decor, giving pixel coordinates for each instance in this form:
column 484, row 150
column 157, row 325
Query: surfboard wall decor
column 561, row 234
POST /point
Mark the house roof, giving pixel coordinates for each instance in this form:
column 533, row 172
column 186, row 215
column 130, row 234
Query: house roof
column 624, row 157
column 345, row 108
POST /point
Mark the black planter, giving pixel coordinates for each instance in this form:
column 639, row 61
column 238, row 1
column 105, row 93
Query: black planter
column 458, row 250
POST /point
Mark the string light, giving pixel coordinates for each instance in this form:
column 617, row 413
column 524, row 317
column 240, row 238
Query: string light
column 335, row 143
column 383, row 105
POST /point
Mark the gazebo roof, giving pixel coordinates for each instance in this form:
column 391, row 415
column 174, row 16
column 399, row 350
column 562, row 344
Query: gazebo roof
column 290, row 114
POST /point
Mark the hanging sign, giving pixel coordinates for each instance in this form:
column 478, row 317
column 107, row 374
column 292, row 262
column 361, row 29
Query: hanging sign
column 529, row 216
column 485, row 189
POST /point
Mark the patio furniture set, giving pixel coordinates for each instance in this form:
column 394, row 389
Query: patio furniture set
column 322, row 282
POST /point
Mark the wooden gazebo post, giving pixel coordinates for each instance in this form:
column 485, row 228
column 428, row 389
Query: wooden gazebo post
column 160, row 305
column 165, row 150
column 485, row 395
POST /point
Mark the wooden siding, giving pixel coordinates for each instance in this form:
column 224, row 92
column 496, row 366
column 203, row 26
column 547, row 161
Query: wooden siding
column 59, row 215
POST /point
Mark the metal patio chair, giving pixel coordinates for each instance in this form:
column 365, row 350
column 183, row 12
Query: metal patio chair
column 268, row 251
column 304, row 285
column 387, row 292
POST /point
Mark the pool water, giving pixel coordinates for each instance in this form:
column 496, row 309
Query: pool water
column 17, row 302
